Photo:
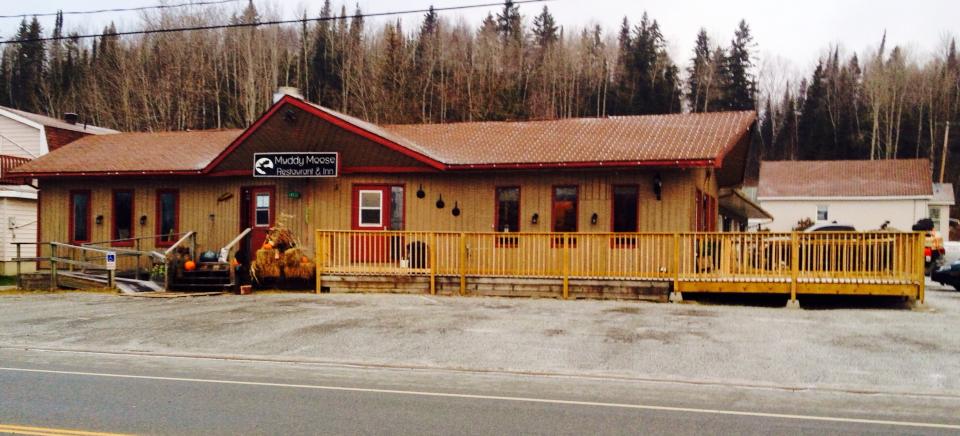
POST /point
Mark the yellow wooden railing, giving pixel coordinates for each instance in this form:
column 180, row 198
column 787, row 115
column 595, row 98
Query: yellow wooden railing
column 774, row 262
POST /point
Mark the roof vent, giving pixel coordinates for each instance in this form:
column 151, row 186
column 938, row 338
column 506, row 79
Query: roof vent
column 286, row 90
column 71, row 117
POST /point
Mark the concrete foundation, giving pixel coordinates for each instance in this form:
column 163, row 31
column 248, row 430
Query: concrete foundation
column 501, row 287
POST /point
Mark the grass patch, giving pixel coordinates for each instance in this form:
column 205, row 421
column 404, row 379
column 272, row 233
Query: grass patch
column 8, row 280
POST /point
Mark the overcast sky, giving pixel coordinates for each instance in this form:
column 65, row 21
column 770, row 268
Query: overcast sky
column 796, row 31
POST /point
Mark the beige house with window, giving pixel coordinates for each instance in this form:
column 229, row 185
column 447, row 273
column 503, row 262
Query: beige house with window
column 864, row 194
column 25, row 136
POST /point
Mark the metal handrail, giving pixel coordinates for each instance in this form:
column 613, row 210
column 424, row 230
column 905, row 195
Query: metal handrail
column 180, row 241
column 225, row 251
column 138, row 238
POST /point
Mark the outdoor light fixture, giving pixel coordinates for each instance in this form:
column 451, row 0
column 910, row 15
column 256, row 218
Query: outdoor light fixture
column 212, row 217
column 99, row 219
column 456, row 209
column 440, row 203
column 594, row 218
column 535, row 218
column 657, row 186
column 420, row 193
column 143, row 220
column 290, row 116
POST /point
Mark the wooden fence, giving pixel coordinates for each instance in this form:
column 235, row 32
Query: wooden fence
column 867, row 263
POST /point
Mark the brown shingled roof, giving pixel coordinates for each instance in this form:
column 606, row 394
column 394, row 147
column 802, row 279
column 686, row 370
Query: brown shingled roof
column 134, row 153
column 845, row 178
column 615, row 139
column 688, row 139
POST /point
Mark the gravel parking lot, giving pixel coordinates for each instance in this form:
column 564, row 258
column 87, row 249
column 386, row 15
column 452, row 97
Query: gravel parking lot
column 874, row 348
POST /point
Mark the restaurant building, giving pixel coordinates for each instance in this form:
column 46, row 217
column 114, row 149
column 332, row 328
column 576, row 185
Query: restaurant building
column 306, row 167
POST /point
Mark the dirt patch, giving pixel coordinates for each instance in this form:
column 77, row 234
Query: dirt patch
column 626, row 310
column 329, row 327
column 697, row 313
column 554, row 332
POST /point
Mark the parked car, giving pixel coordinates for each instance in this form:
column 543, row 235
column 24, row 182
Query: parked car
column 830, row 227
column 948, row 275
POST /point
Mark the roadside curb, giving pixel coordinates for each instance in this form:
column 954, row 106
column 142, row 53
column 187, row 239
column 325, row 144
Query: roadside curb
column 554, row 374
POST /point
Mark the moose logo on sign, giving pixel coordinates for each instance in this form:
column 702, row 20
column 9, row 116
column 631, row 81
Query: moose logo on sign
column 325, row 164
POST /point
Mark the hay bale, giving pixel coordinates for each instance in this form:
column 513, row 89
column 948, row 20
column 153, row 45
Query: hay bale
column 293, row 257
column 303, row 271
column 266, row 265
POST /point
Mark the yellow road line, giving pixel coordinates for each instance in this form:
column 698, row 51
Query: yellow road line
column 47, row 431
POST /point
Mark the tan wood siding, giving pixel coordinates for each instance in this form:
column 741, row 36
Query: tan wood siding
column 326, row 203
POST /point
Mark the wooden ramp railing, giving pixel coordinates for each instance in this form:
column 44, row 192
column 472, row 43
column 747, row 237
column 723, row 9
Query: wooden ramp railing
column 862, row 263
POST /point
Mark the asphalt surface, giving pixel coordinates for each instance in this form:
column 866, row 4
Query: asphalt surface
column 162, row 395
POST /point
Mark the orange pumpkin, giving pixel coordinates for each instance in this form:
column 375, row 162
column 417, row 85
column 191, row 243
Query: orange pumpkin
column 267, row 245
column 234, row 262
column 190, row 265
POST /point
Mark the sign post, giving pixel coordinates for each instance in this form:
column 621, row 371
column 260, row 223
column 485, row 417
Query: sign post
column 296, row 164
column 111, row 268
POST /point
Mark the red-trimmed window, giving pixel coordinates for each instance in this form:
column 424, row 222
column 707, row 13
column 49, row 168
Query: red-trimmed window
column 168, row 217
column 508, row 209
column 626, row 201
column 507, row 215
column 122, row 217
column 566, row 202
column 79, row 216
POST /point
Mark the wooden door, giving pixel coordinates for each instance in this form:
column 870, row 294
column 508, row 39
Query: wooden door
column 370, row 211
column 260, row 204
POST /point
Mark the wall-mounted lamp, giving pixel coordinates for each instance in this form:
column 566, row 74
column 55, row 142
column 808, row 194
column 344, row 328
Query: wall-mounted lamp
column 290, row 116
column 456, row 209
column 420, row 193
column 143, row 220
column 657, row 186
column 535, row 218
column 594, row 218
column 440, row 203
column 212, row 217
column 99, row 219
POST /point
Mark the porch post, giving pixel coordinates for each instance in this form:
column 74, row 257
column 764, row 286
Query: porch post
column 794, row 270
column 675, row 295
column 463, row 263
column 19, row 280
column 53, row 266
column 566, row 266
column 433, row 263
column 921, row 276
column 318, row 256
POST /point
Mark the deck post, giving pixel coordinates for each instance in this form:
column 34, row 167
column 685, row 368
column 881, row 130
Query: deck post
column 318, row 256
column 463, row 263
column 675, row 295
column 111, row 278
column 433, row 263
column 137, row 242
column 921, row 276
column 19, row 280
column 566, row 266
column 794, row 270
column 53, row 266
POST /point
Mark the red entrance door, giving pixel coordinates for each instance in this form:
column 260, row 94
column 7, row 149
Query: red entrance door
column 371, row 211
column 260, row 214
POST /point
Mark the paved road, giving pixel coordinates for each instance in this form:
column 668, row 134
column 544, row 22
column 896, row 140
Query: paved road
column 163, row 395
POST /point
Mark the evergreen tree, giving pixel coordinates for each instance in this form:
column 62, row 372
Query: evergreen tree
column 698, row 73
column 28, row 68
column 742, row 88
column 326, row 58
column 545, row 30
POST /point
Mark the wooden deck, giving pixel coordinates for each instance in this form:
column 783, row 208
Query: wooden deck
column 841, row 263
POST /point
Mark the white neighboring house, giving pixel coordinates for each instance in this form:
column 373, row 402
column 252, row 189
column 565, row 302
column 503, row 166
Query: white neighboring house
column 943, row 198
column 865, row 194
column 25, row 136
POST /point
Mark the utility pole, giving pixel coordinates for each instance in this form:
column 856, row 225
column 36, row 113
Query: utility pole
column 943, row 157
